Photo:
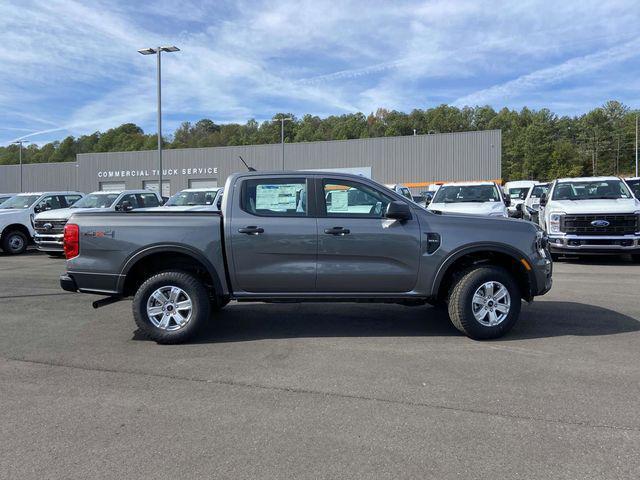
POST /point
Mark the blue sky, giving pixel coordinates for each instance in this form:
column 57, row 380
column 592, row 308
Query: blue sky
column 70, row 68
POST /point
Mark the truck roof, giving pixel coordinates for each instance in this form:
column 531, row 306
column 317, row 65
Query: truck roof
column 588, row 179
column 211, row 189
column 57, row 192
column 118, row 192
column 467, row 184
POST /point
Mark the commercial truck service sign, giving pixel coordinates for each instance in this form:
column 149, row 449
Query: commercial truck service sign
column 154, row 172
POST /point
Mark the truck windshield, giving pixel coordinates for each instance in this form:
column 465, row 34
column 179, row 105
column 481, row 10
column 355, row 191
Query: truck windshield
column 538, row 190
column 635, row 187
column 20, row 201
column 94, row 200
column 516, row 193
column 184, row 199
column 467, row 193
column 591, row 190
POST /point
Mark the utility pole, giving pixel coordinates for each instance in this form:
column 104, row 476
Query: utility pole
column 282, row 120
column 158, row 52
column 22, row 142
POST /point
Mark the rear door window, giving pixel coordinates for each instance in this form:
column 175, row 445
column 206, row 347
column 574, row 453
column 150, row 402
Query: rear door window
column 146, row 200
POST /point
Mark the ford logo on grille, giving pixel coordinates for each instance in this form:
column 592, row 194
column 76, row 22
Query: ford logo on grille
column 48, row 226
column 600, row 223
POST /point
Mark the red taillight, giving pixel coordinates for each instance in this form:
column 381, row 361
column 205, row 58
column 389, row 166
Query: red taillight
column 71, row 240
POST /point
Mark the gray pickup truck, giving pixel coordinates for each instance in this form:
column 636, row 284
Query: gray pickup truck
column 306, row 236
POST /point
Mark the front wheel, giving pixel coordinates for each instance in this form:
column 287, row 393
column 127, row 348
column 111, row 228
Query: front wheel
column 171, row 307
column 485, row 303
column 15, row 242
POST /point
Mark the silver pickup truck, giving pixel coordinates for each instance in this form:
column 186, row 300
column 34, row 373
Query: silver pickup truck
column 306, row 236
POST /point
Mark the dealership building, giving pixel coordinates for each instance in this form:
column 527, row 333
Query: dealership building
column 415, row 161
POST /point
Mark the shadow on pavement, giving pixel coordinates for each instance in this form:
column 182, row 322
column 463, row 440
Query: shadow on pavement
column 245, row 322
column 598, row 260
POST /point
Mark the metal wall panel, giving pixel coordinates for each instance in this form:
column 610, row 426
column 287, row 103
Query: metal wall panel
column 412, row 160
column 39, row 177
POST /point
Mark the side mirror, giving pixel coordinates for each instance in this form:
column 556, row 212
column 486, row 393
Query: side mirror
column 519, row 208
column 124, row 207
column 507, row 201
column 543, row 199
column 398, row 211
column 428, row 199
column 523, row 195
column 37, row 209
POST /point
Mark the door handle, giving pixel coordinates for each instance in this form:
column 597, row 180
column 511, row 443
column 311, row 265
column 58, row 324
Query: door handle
column 340, row 231
column 251, row 230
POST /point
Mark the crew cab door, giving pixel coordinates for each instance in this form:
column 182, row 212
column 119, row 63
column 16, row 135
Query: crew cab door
column 273, row 235
column 359, row 250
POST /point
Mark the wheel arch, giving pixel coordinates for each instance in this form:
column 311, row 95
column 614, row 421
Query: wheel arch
column 485, row 253
column 163, row 257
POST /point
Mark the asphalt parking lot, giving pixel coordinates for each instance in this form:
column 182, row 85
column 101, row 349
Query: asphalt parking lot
column 321, row 391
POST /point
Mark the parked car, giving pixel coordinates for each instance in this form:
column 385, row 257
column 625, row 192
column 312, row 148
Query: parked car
column 5, row 196
column 401, row 189
column 49, row 225
column 516, row 192
column 634, row 185
column 531, row 206
column 17, row 216
column 591, row 215
column 305, row 236
column 196, row 199
column 475, row 198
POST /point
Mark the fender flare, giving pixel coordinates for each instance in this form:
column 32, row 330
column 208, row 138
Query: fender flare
column 512, row 252
column 140, row 255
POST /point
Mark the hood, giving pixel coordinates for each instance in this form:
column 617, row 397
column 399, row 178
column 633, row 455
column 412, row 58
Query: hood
column 619, row 205
column 65, row 213
column 471, row 208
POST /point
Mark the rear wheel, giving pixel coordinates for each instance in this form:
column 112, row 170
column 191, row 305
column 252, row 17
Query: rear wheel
column 171, row 307
column 14, row 242
column 485, row 303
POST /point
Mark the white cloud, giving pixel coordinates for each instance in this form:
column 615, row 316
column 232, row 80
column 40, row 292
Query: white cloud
column 73, row 66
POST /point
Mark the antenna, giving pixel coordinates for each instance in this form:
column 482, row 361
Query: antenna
column 251, row 169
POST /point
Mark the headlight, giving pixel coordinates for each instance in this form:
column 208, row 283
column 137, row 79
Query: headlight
column 554, row 221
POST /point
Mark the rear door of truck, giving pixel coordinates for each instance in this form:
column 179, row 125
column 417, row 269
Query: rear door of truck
column 273, row 234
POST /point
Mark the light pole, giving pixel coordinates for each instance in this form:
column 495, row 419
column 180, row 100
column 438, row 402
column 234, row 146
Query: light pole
column 282, row 120
column 158, row 52
column 636, row 144
column 22, row 142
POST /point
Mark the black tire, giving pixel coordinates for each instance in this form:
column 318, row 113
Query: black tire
column 461, row 308
column 200, row 309
column 14, row 242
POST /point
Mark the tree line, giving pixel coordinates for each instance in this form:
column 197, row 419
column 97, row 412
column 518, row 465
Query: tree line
column 536, row 144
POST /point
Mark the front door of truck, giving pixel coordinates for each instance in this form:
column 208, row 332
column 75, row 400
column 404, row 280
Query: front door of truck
column 358, row 249
column 273, row 236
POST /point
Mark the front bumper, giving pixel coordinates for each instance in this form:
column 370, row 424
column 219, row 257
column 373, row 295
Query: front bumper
column 49, row 243
column 594, row 244
column 542, row 268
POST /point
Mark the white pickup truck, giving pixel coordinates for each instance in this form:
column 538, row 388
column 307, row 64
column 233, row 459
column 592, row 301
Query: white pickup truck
column 17, row 216
column 49, row 225
column 474, row 198
column 591, row 215
column 194, row 199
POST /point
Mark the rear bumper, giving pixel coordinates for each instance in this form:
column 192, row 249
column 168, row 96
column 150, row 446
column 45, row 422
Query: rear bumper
column 100, row 283
column 595, row 244
column 68, row 284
